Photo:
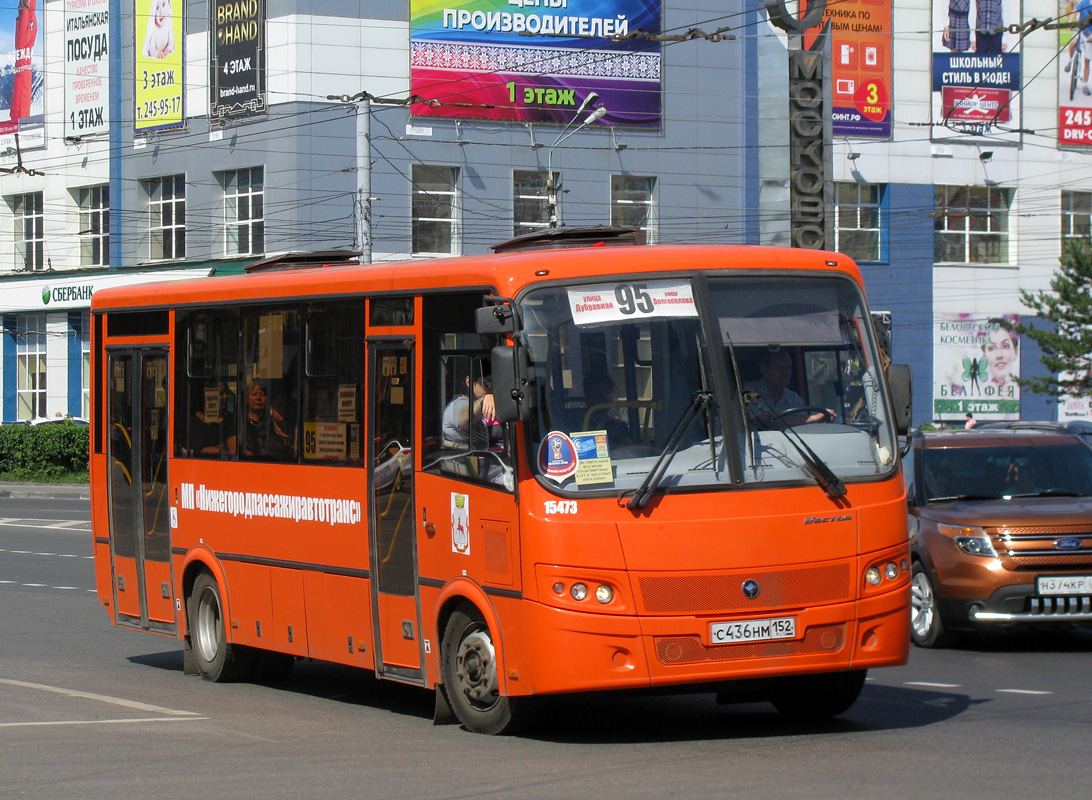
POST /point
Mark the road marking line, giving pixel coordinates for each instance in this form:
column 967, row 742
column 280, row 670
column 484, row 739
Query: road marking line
column 67, row 587
column 933, row 685
column 101, row 722
column 1022, row 691
column 70, row 523
column 33, row 585
column 102, row 698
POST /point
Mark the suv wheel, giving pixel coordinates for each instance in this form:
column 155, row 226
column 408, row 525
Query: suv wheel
column 926, row 627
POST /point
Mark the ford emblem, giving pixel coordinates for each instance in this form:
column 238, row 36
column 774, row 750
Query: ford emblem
column 751, row 589
column 1068, row 544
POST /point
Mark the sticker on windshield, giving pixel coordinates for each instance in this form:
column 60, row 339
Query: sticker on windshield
column 614, row 302
column 593, row 458
column 557, row 458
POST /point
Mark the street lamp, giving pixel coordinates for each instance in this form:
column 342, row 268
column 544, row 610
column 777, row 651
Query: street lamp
column 551, row 187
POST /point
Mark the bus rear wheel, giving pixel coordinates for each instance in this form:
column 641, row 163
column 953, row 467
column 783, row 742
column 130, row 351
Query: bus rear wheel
column 217, row 659
column 471, row 682
column 812, row 698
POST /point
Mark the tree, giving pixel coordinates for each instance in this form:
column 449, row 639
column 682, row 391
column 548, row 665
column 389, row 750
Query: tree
column 1067, row 347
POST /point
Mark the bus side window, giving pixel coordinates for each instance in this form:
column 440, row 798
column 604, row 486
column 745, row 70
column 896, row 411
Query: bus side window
column 269, row 414
column 458, row 441
column 333, row 398
column 207, row 384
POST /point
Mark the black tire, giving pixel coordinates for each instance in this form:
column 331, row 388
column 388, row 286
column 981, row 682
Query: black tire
column 471, row 683
column 811, row 698
column 926, row 626
column 217, row 660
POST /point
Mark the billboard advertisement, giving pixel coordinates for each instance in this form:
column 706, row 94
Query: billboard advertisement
column 160, row 81
column 1074, row 91
column 976, row 361
column 976, row 70
column 236, row 59
column 22, row 76
column 86, row 67
column 860, row 65
column 535, row 60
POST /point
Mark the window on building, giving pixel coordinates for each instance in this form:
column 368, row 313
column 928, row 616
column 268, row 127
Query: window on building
column 435, row 209
column 530, row 201
column 30, row 355
column 244, row 211
column 94, row 203
column 1077, row 215
column 858, row 222
column 85, row 366
column 972, row 224
column 167, row 217
column 29, row 232
column 631, row 203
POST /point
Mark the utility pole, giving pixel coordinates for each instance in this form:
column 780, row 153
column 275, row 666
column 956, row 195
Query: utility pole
column 364, row 177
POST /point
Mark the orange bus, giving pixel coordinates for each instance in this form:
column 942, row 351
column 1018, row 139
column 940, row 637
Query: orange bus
column 669, row 468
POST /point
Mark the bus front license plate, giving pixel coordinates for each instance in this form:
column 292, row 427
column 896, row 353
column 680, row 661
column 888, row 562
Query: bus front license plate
column 752, row 630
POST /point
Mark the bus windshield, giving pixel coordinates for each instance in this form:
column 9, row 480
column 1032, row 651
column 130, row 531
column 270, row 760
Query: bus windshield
column 705, row 382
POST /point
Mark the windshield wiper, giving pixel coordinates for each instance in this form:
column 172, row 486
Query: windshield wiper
column 823, row 474
column 701, row 401
column 1049, row 493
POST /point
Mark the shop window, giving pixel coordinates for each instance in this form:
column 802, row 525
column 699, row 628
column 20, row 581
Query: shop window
column 30, row 357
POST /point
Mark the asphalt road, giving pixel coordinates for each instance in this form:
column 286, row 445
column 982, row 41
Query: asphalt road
column 87, row 711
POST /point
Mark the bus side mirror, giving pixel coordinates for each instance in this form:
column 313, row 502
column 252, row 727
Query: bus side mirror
column 494, row 319
column 510, row 369
column 900, row 379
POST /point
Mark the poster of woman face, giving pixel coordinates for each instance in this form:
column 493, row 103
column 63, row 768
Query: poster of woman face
column 22, row 81
column 976, row 361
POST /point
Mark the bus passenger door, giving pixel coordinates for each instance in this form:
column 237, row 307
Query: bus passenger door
column 140, row 537
column 392, row 525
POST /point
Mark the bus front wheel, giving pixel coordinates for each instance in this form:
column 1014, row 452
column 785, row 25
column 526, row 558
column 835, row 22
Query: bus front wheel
column 471, row 682
column 819, row 697
column 217, row 659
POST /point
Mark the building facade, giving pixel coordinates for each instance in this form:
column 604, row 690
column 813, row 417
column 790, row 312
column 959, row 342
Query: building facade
column 170, row 139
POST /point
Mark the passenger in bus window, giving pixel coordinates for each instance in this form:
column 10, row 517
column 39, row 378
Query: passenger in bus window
column 214, row 424
column 472, row 423
column 264, row 435
column 774, row 394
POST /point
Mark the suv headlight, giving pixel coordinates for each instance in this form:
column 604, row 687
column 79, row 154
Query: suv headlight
column 972, row 541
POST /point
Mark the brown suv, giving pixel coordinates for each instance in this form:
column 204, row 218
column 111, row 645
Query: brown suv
column 1000, row 528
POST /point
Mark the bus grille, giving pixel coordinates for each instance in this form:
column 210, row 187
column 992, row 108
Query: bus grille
column 674, row 650
column 703, row 594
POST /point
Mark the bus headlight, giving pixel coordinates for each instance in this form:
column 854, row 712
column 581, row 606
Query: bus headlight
column 873, row 576
column 604, row 594
column 579, row 591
